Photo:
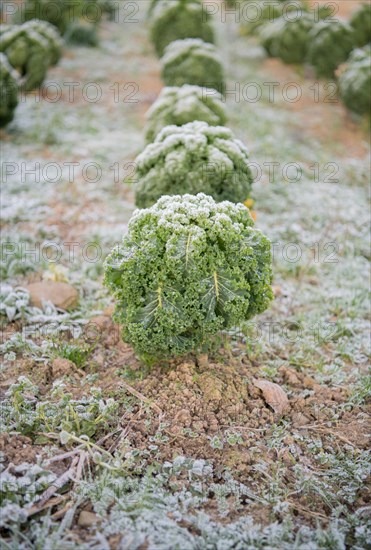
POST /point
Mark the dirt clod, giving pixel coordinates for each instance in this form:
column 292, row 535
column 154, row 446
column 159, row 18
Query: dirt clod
column 17, row 449
column 87, row 519
column 62, row 295
column 62, row 367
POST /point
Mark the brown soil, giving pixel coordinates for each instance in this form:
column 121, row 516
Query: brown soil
column 326, row 120
column 186, row 407
column 18, row 449
column 195, row 400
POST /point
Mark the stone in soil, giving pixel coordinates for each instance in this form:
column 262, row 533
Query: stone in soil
column 62, row 295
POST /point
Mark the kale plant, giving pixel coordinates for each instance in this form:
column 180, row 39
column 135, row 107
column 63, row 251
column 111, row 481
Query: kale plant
column 179, row 19
column 82, row 34
column 52, row 11
column 361, row 23
column 193, row 61
column 28, row 52
column 268, row 12
column 287, row 39
column 178, row 106
column 61, row 13
column 8, row 91
column 355, row 81
column 193, row 158
column 188, row 268
column 49, row 32
column 330, row 43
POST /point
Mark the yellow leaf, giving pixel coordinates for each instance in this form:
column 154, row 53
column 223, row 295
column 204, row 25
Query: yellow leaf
column 249, row 203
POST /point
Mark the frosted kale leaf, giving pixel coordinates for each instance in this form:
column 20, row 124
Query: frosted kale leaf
column 267, row 12
column 330, row 43
column 355, row 81
column 55, row 12
column 50, row 33
column 8, row 91
column 178, row 19
column 180, row 105
column 193, row 61
column 361, row 23
column 188, row 268
column 288, row 39
column 28, row 52
column 83, row 34
column 193, row 158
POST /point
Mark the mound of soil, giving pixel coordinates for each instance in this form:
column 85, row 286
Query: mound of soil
column 196, row 404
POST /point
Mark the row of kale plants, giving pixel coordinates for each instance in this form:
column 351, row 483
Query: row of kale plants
column 33, row 43
column 336, row 49
column 192, row 263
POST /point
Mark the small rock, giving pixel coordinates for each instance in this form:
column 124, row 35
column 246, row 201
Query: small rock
column 62, row 367
column 309, row 383
column 87, row 519
column 99, row 359
column 273, row 394
column 102, row 322
column 62, row 295
column 183, row 418
column 198, row 426
column 299, row 419
column 203, row 361
column 108, row 312
column 277, row 291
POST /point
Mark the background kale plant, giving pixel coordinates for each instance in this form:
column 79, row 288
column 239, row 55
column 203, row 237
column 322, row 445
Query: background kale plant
column 193, row 61
column 180, row 105
column 194, row 158
column 355, row 81
column 8, row 91
column 178, row 19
